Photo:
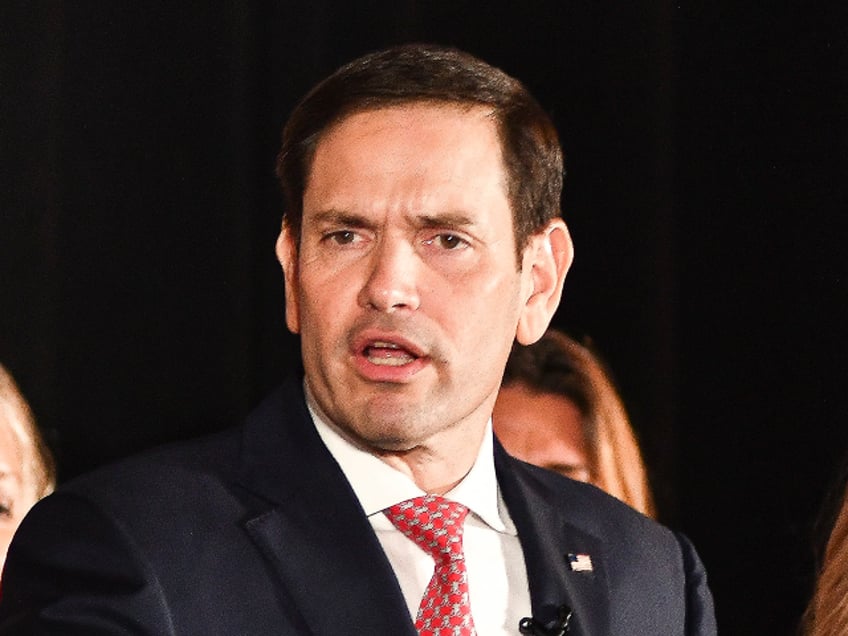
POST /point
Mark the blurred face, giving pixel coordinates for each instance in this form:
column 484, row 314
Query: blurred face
column 15, row 497
column 542, row 429
column 405, row 287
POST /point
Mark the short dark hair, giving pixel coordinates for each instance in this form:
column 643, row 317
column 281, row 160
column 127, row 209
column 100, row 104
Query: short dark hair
column 428, row 73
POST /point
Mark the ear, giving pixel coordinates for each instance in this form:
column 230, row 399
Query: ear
column 287, row 255
column 545, row 263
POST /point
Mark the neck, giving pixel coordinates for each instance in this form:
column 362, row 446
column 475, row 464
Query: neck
column 439, row 465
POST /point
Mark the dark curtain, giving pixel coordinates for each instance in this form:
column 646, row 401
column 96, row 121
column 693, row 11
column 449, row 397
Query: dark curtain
column 706, row 147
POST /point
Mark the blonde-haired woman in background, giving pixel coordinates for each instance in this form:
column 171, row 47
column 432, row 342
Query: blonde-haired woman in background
column 558, row 408
column 27, row 469
column 827, row 613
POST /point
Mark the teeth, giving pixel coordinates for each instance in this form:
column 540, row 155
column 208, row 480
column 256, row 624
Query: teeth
column 389, row 361
column 388, row 354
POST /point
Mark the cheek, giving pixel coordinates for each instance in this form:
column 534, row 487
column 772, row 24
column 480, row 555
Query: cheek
column 324, row 302
column 487, row 312
column 488, row 287
column 493, row 305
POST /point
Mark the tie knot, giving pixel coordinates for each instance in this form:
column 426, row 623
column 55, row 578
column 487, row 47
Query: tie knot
column 433, row 522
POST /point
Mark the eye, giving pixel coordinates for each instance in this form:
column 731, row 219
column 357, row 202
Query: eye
column 450, row 241
column 447, row 241
column 341, row 237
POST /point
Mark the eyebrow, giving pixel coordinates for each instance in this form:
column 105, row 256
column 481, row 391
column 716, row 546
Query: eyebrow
column 334, row 216
column 338, row 217
column 445, row 219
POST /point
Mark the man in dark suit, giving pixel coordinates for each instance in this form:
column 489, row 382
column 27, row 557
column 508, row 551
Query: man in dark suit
column 368, row 496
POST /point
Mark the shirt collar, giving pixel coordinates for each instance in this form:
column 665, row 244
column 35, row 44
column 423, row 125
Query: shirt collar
column 379, row 486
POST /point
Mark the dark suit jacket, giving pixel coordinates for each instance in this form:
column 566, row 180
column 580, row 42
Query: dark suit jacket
column 256, row 531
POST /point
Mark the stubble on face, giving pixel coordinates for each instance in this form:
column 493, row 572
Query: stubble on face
column 406, row 315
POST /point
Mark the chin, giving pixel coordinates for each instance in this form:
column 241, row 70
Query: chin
column 382, row 432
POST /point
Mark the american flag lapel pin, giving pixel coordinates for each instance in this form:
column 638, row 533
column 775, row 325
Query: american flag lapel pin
column 579, row 562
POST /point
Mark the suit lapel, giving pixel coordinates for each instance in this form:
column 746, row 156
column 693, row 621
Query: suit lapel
column 548, row 539
column 330, row 563
column 315, row 534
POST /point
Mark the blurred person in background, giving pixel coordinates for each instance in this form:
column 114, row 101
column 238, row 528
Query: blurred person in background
column 558, row 408
column 27, row 470
column 827, row 612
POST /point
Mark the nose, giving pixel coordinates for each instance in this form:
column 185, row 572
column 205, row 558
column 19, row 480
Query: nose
column 392, row 278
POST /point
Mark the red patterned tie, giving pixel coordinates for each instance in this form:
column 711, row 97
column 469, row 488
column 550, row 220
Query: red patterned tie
column 435, row 524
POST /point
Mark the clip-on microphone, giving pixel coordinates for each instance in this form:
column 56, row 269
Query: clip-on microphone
column 531, row 626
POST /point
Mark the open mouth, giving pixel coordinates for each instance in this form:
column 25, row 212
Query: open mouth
column 385, row 356
column 388, row 354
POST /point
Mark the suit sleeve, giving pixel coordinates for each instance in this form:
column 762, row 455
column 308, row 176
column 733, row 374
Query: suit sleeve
column 700, row 613
column 71, row 570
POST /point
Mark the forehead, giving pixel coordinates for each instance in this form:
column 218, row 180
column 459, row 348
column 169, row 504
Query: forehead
column 432, row 143
column 431, row 126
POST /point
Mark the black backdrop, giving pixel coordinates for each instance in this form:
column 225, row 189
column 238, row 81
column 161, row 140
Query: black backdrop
column 707, row 151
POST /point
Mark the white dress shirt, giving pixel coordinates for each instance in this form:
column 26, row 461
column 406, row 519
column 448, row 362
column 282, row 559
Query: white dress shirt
column 497, row 579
